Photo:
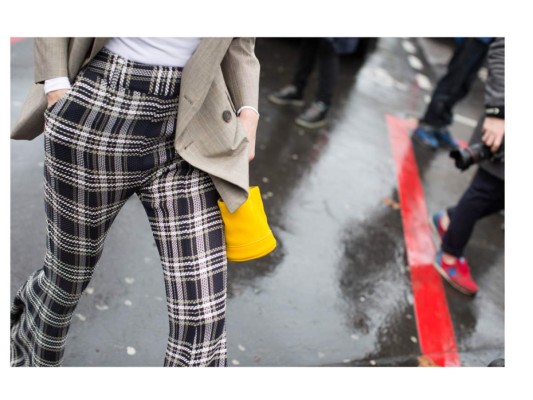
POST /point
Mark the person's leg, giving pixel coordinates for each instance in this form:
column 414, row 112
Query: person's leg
column 328, row 69
column 292, row 94
column 306, row 62
column 315, row 115
column 84, row 191
column 181, row 204
column 484, row 196
column 466, row 61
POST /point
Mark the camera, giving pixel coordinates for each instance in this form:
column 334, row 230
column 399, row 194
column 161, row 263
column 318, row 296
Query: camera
column 474, row 154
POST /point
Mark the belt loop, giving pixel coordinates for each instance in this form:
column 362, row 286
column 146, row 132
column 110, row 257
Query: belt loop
column 114, row 72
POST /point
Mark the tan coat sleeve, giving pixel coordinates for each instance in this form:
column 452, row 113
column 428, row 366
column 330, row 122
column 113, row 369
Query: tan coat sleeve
column 51, row 58
column 241, row 69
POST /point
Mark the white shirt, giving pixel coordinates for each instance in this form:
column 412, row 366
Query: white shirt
column 169, row 52
column 166, row 51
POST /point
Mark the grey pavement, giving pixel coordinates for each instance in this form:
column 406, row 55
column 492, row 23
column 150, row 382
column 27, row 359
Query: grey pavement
column 337, row 291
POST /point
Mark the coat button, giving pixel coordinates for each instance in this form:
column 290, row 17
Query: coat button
column 226, row 116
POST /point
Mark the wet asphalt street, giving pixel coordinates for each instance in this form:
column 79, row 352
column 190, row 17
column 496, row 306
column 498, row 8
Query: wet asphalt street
column 337, row 291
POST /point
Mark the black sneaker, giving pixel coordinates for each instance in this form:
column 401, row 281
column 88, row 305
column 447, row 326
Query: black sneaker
column 288, row 95
column 314, row 116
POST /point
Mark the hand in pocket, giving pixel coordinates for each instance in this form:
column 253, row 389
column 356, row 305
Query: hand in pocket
column 55, row 95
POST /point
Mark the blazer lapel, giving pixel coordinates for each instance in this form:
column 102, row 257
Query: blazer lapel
column 83, row 50
column 98, row 44
column 197, row 76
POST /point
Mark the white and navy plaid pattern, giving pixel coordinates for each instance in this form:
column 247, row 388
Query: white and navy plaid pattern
column 109, row 137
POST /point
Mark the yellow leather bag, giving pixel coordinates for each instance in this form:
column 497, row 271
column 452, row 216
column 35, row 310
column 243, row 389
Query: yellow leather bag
column 248, row 235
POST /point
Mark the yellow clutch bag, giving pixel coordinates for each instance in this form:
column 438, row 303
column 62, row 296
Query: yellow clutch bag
column 248, row 235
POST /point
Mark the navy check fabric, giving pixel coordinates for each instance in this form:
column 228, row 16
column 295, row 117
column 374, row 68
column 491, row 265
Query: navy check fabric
column 112, row 136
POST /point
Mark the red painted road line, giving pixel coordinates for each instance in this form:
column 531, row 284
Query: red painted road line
column 435, row 329
column 17, row 39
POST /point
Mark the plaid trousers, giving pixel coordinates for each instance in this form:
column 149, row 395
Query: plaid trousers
column 109, row 137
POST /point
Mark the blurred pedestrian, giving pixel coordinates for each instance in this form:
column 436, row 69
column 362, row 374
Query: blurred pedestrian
column 486, row 194
column 115, row 132
column 468, row 57
column 326, row 52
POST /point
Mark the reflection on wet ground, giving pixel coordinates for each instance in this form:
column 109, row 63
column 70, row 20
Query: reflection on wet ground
column 338, row 291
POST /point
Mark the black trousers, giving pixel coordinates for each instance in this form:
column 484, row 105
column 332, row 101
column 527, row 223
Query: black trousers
column 328, row 67
column 484, row 196
column 466, row 61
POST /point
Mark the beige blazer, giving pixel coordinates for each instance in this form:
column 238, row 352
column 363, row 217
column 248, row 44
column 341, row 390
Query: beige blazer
column 222, row 75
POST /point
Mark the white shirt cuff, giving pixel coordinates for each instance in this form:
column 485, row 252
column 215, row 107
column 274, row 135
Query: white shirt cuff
column 249, row 107
column 56, row 84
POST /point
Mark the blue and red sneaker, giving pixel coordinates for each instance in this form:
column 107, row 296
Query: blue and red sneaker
column 426, row 137
column 436, row 223
column 445, row 139
column 457, row 274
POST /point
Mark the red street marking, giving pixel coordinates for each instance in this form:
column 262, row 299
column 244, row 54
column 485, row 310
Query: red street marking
column 17, row 39
column 434, row 324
